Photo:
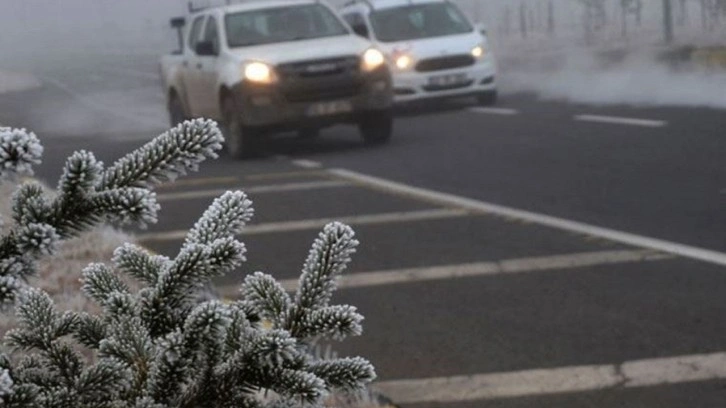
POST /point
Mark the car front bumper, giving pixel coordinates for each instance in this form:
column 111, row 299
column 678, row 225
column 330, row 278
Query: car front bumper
column 283, row 107
column 410, row 86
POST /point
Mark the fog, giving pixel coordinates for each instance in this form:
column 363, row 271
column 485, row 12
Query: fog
column 544, row 51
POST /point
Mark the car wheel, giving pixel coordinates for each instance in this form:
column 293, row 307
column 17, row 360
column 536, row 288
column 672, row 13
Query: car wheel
column 487, row 98
column 176, row 111
column 239, row 141
column 377, row 127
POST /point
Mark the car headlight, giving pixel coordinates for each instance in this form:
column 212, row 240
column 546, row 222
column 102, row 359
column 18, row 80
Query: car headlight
column 478, row 52
column 403, row 62
column 372, row 60
column 260, row 73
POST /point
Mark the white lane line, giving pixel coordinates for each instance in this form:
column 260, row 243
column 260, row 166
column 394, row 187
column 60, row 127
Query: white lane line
column 133, row 73
column 494, row 111
column 288, row 226
column 527, row 383
column 199, row 181
column 307, row 164
column 287, row 174
column 505, row 266
column 274, row 188
column 617, row 120
column 453, row 201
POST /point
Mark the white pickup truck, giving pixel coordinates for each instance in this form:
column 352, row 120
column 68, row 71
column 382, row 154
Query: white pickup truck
column 272, row 66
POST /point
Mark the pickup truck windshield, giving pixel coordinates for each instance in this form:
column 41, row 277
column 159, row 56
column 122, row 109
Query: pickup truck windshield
column 281, row 24
column 419, row 21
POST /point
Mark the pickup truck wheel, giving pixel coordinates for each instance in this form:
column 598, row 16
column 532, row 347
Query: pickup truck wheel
column 239, row 141
column 376, row 127
column 176, row 111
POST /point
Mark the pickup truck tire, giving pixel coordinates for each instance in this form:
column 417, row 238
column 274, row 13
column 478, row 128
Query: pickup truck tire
column 176, row 110
column 240, row 141
column 376, row 127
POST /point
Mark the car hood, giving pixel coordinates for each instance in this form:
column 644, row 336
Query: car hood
column 435, row 47
column 302, row 50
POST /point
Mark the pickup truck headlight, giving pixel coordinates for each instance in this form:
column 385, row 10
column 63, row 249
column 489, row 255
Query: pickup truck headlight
column 479, row 51
column 260, row 73
column 372, row 60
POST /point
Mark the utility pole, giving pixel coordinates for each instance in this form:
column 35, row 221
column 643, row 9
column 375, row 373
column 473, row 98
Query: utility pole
column 668, row 21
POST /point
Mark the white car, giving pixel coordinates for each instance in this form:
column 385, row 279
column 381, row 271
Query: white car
column 264, row 67
column 434, row 51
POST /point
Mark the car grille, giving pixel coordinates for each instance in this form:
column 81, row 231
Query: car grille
column 442, row 63
column 321, row 80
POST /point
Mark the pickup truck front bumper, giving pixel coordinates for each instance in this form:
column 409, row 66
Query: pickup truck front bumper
column 313, row 103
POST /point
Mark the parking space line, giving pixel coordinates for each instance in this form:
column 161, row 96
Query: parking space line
column 307, row 164
column 494, row 111
column 482, row 207
column 273, row 188
column 301, row 225
column 537, row 382
column 199, row 181
column 506, row 266
column 617, row 120
column 287, row 174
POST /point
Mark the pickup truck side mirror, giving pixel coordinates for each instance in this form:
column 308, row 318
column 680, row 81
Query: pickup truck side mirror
column 482, row 28
column 177, row 22
column 205, row 49
column 361, row 30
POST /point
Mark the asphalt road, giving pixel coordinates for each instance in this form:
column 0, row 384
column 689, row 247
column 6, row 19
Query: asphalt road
column 597, row 295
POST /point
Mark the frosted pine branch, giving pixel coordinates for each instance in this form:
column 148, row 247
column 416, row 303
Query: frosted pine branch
column 20, row 150
column 172, row 154
column 162, row 346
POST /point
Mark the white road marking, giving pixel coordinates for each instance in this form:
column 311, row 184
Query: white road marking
column 287, row 174
column 506, row 266
column 453, row 201
column 307, row 164
column 199, row 181
column 621, row 120
column 274, row 188
column 527, row 383
column 494, row 111
column 133, row 73
column 301, row 225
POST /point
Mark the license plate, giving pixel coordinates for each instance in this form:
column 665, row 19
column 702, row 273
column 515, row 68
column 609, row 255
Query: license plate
column 329, row 108
column 448, row 80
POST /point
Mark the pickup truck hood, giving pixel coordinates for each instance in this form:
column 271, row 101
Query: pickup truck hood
column 292, row 51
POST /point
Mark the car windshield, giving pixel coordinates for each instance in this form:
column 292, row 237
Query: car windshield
column 280, row 24
column 419, row 21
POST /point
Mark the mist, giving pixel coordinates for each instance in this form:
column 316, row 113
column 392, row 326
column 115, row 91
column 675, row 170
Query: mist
column 541, row 49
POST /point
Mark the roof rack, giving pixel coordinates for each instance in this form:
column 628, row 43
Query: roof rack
column 195, row 8
column 354, row 2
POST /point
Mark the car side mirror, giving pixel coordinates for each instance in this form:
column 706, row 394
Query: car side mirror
column 205, row 49
column 361, row 30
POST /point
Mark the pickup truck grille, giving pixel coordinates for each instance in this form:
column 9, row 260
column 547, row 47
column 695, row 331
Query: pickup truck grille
column 321, row 80
column 442, row 63
column 319, row 68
